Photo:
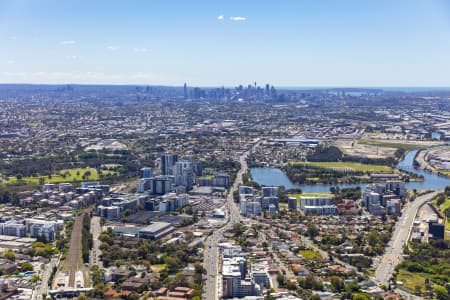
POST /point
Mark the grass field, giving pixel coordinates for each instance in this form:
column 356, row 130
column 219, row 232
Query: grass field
column 411, row 280
column 158, row 268
column 406, row 147
column 67, row 175
column 298, row 196
column 442, row 208
column 447, row 229
column 348, row 165
column 310, row 254
column 445, row 205
column 313, row 179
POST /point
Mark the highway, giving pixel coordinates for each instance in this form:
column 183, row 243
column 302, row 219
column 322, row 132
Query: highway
column 211, row 255
column 393, row 254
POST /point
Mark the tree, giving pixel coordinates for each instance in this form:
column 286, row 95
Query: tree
column 440, row 200
column 10, row 255
column 337, row 283
column 441, row 292
column 238, row 229
column 281, row 279
column 360, row 297
column 312, row 230
column 133, row 296
column 26, row 266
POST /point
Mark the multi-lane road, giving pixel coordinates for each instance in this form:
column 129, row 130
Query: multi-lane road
column 394, row 252
column 211, row 255
column 392, row 257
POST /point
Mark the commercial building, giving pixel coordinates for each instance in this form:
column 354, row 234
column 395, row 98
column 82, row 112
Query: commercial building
column 250, row 207
column 41, row 229
column 436, row 230
column 382, row 198
column 259, row 273
column 246, row 190
column 184, row 174
column 109, row 212
column 144, row 184
column 156, row 230
column 217, row 180
column 172, row 201
column 317, row 206
column 292, row 203
column 167, row 163
column 161, row 185
column 13, row 228
column 145, row 172
column 235, row 282
column 269, row 191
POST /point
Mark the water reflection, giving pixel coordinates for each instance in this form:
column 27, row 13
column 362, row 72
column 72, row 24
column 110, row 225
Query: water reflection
column 276, row 177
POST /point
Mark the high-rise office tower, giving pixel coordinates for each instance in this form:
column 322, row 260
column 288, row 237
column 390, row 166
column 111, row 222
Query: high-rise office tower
column 184, row 174
column 167, row 163
column 145, row 172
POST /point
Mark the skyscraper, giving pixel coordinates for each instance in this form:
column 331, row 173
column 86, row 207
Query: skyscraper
column 145, row 172
column 184, row 174
column 185, row 91
column 167, row 163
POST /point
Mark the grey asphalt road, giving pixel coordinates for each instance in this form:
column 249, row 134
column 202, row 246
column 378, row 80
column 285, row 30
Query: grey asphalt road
column 394, row 252
column 211, row 255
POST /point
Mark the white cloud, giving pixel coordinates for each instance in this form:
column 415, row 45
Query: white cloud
column 72, row 57
column 140, row 50
column 238, row 18
column 66, row 43
column 112, row 48
column 220, row 18
column 11, row 62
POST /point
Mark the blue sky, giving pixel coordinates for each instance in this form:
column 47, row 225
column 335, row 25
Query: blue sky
column 214, row 43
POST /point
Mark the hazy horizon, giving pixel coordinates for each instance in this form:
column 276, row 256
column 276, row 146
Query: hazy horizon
column 206, row 43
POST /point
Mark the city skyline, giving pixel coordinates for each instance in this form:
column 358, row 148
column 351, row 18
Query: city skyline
column 296, row 44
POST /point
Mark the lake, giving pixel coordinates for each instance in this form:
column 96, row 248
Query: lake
column 276, row 177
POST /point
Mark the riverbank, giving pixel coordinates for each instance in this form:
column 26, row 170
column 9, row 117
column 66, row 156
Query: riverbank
column 440, row 157
column 276, row 177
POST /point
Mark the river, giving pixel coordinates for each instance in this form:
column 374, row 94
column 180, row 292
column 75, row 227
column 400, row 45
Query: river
column 276, row 177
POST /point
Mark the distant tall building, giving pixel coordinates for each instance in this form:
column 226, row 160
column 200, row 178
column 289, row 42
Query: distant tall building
column 292, row 203
column 273, row 92
column 269, row 191
column 167, row 163
column 246, row 190
column 143, row 184
column 145, row 172
column 184, row 174
column 161, row 185
column 185, row 91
